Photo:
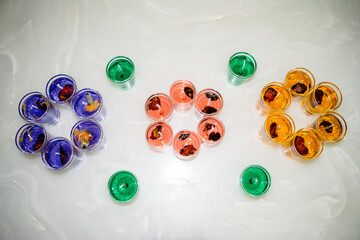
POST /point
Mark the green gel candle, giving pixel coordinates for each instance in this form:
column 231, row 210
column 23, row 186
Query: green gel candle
column 241, row 67
column 120, row 70
column 255, row 180
column 122, row 186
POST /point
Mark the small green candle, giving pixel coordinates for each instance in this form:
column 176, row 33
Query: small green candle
column 241, row 67
column 122, row 186
column 255, row 180
column 120, row 70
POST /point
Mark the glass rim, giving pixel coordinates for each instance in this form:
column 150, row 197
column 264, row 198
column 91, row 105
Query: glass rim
column 287, row 116
column 163, row 95
column 205, row 119
column 242, row 54
column 117, row 58
column 159, row 123
column 340, row 119
column 336, row 89
column 111, row 180
column 51, row 80
column 21, row 103
column 72, row 102
column 207, row 90
column 286, row 90
column 181, row 157
column 47, row 144
column 188, row 82
column 307, row 72
column 266, row 173
column 80, row 122
column 317, row 134
column 22, row 129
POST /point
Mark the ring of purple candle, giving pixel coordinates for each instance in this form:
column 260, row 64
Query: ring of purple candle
column 87, row 103
column 30, row 138
column 61, row 88
column 57, row 153
column 86, row 135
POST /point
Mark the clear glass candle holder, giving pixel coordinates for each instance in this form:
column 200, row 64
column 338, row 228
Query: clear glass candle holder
column 300, row 81
column 186, row 145
column 58, row 153
column 87, row 135
column 88, row 103
column 30, row 138
column 255, row 180
column 159, row 107
column 331, row 126
column 122, row 186
column 278, row 128
column 211, row 130
column 183, row 94
column 325, row 97
column 35, row 107
column 61, row 88
column 241, row 67
column 159, row 136
column 275, row 97
column 121, row 71
column 209, row 102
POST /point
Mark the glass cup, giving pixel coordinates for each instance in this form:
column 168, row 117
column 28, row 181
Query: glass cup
column 209, row 102
column 325, row 97
column 35, row 107
column 183, row 94
column 306, row 144
column 255, row 180
column 186, row 145
column 58, row 153
column 88, row 103
column 121, row 70
column 241, row 67
column 122, row 186
column 274, row 97
column 300, row 81
column 60, row 88
column 159, row 107
column 278, row 128
column 159, row 136
column 30, row 138
column 331, row 126
column 87, row 135
column 211, row 130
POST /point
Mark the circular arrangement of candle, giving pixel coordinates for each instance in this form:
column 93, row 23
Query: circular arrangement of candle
column 87, row 135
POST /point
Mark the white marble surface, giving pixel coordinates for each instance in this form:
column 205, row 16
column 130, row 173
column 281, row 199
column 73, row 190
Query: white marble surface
column 171, row 40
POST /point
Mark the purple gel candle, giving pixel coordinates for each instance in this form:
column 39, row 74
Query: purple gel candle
column 87, row 135
column 57, row 153
column 60, row 88
column 88, row 103
column 35, row 107
column 30, row 138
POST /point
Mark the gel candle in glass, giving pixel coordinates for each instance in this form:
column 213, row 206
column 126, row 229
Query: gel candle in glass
column 255, row 180
column 278, row 128
column 300, row 81
column 120, row 70
column 30, row 138
column 159, row 136
column 87, row 135
column 58, row 153
column 183, row 94
column 35, row 107
column 209, row 102
column 211, row 130
column 274, row 97
column 331, row 126
column 122, row 186
column 88, row 103
column 242, row 66
column 159, row 107
column 186, row 145
column 60, row 88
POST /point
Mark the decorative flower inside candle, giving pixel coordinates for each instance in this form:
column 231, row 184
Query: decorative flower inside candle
column 87, row 103
column 57, row 153
column 30, row 138
column 86, row 134
column 61, row 88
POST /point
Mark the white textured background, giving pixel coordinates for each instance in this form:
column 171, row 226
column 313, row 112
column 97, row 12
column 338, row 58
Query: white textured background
column 170, row 40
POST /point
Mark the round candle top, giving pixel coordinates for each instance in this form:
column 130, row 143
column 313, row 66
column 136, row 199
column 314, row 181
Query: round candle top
column 33, row 106
column 30, row 138
column 120, row 69
column 86, row 134
column 255, row 180
column 122, row 186
column 209, row 102
column 242, row 64
column 186, row 145
column 60, row 88
column 57, row 153
column 87, row 103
